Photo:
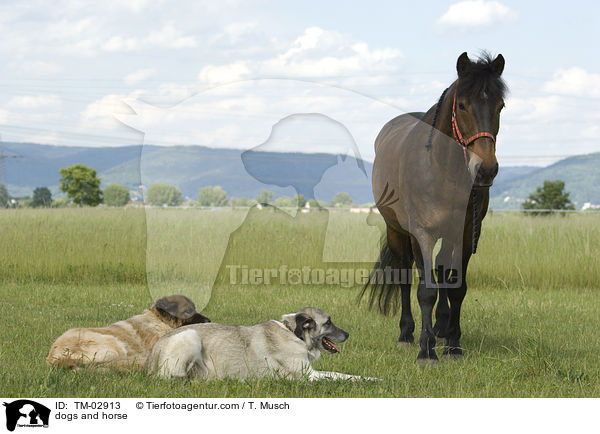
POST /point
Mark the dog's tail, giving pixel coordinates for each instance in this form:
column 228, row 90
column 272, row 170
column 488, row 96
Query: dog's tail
column 384, row 293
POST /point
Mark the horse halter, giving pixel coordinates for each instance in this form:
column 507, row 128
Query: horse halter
column 459, row 137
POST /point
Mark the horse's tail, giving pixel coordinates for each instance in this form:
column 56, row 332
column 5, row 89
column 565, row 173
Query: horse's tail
column 384, row 293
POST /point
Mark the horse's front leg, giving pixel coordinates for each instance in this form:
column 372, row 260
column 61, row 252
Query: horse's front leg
column 427, row 295
column 442, row 314
column 446, row 272
column 456, row 297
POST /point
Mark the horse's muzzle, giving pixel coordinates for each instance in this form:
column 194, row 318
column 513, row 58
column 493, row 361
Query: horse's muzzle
column 485, row 176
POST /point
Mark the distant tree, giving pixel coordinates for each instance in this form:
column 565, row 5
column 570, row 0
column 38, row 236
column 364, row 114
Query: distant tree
column 42, row 198
column 549, row 197
column 116, row 195
column 212, row 196
column 341, row 199
column 81, row 185
column 164, row 194
column 241, row 201
column 265, row 197
column 313, row 203
column 299, row 200
column 4, row 197
column 283, row 201
column 59, row 203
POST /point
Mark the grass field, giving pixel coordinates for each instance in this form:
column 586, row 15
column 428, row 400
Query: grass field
column 530, row 319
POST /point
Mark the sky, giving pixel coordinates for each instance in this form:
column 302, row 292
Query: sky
column 223, row 74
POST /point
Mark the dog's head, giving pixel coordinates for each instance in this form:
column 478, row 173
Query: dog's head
column 316, row 329
column 177, row 310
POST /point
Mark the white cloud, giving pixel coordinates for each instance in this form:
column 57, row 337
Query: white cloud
column 319, row 53
column 36, row 68
column 476, row 14
column 168, row 94
column 167, row 37
column 170, row 37
column 236, row 31
column 575, row 82
column 316, row 53
column 135, row 6
column 225, row 73
column 539, row 109
column 101, row 114
column 121, row 44
column 33, row 102
column 139, row 75
column 592, row 132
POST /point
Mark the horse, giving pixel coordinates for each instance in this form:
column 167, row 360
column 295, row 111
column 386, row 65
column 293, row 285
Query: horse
column 431, row 178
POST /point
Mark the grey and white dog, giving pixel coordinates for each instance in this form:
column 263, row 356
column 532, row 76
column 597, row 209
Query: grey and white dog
column 283, row 348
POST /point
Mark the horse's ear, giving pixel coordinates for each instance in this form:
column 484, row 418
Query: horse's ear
column 463, row 64
column 498, row 64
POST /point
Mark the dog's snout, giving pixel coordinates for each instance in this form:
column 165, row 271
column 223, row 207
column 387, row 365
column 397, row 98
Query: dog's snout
column 343, row 335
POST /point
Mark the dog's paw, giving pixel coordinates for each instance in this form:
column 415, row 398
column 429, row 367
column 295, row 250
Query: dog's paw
column 372, row 379
column 359, row 378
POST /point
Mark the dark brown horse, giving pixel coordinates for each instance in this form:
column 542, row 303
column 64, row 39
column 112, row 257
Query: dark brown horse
column 431, row 179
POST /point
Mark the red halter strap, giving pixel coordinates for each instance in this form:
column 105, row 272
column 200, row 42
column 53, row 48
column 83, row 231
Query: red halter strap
column 458, row 136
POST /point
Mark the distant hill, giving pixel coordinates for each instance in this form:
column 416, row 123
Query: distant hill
column 190, row 168
column 247, row 173
column 580, row 173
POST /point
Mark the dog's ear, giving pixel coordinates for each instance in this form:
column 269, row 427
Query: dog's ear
column 176, row 308
column 303, row 322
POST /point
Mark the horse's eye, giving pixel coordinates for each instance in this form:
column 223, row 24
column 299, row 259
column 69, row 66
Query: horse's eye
column 462, row 107
column 328, row 322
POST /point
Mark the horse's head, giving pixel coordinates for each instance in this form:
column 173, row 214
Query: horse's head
column 477, row 102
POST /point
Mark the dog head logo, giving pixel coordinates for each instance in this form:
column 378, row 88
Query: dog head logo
column 26, row 413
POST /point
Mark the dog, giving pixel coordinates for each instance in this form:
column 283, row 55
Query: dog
column 124, row 344
column 283, row 348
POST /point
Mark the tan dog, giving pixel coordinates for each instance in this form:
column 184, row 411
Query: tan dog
column 124, row 344
column 283, row 348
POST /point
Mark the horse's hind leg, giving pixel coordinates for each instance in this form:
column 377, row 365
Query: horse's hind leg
column 401, row 247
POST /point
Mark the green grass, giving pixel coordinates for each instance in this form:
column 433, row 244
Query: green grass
column 530, row 319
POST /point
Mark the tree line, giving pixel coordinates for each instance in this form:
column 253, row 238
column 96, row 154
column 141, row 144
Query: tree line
column 82, row 187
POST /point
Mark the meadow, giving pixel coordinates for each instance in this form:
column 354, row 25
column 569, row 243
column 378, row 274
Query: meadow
column 530, row 319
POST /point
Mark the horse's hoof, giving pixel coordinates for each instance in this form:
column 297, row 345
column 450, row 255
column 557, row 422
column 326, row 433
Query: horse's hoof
column 453, row 353
column 427, row 362
column 454, row 356
column 404, row 341
column 424, row 359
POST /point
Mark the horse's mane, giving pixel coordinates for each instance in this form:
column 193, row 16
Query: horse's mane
column 481, row 80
